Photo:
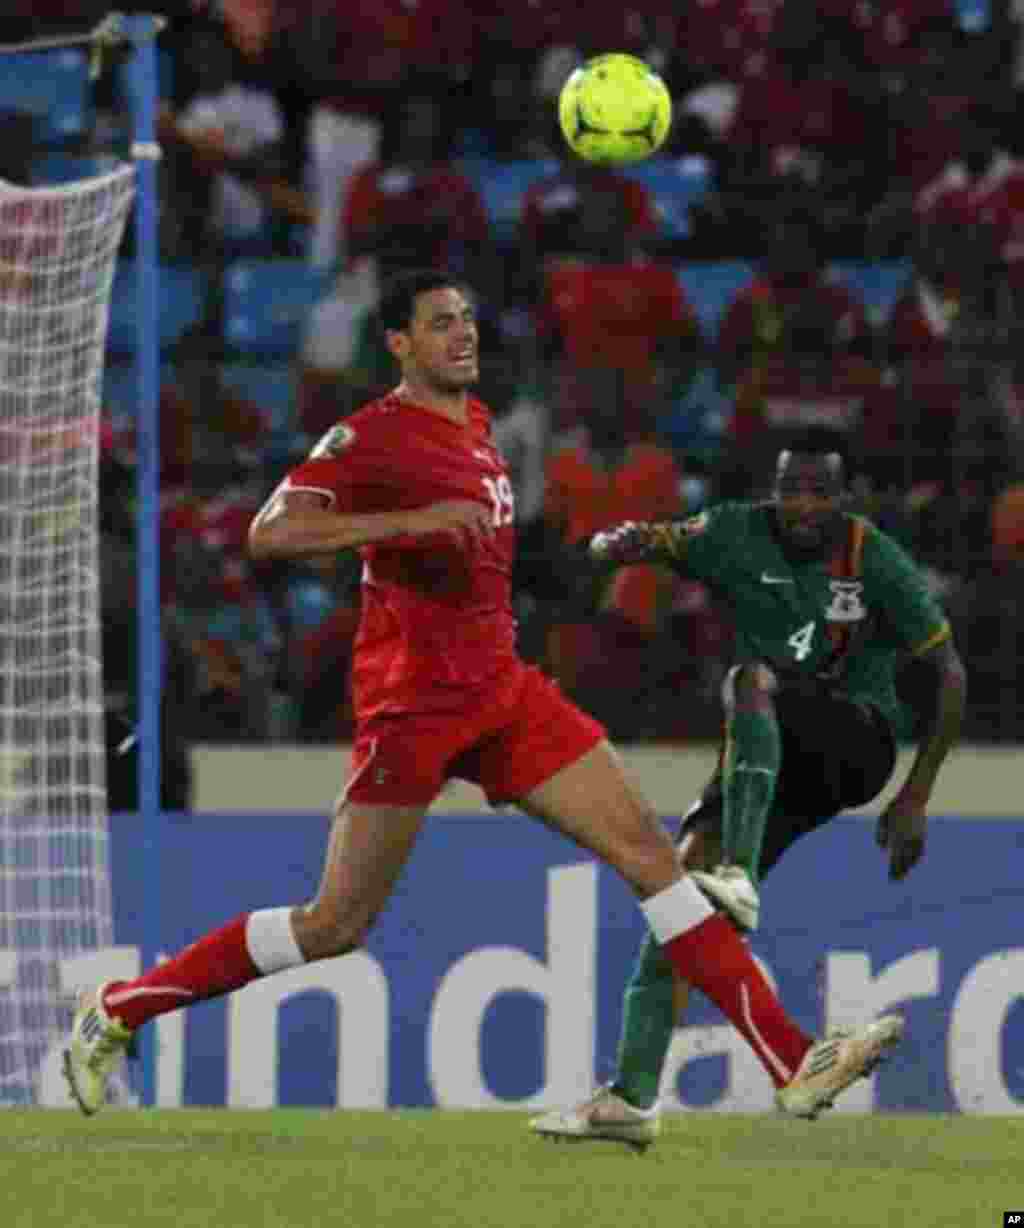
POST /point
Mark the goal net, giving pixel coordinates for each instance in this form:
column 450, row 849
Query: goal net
column 57, row 254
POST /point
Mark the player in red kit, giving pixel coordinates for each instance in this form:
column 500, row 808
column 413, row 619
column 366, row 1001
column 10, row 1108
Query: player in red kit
column 413, row 482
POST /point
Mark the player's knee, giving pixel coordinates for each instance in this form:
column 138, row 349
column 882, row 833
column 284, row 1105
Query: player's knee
column 749, row 686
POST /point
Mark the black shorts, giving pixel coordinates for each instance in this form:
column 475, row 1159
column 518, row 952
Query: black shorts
column 836, row 754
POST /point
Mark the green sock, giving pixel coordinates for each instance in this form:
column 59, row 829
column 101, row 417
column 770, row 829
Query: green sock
column 648, row 1020
column 748, row 786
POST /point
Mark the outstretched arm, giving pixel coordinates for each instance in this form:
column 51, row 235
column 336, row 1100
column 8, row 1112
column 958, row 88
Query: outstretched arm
column 298, row 524
column 641, row 541
column 902, row 826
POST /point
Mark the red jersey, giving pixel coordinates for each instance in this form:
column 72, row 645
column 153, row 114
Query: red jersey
column 436, row 616
column 433, row 210
column 615, row 315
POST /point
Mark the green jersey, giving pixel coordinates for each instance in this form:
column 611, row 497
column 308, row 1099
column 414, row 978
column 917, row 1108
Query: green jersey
column 845, row 621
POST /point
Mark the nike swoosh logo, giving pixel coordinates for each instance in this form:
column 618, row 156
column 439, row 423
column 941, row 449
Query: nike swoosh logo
column 767, row 579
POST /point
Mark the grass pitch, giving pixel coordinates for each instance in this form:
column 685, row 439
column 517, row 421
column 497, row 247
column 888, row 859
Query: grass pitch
column 431, row 1169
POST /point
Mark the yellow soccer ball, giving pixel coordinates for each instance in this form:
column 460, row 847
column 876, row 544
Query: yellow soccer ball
column 614, row 108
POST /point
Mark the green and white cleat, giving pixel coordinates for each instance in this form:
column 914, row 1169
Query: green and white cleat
column 832, row 1064
column 604, row 1116
column 731, row 889
column 98, row 1043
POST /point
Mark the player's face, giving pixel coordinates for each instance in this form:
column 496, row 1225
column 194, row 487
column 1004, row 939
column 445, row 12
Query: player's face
column 441, row 345
column 808, row 494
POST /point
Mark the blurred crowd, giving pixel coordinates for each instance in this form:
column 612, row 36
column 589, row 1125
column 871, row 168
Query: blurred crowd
column 644, row 344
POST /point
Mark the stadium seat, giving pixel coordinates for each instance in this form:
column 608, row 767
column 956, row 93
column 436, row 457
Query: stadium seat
column 877, row 285
column 271, row 386
column 697, row 422
column 54, row 88
column 710, row 287
column 266, row 303
column 973, row 15
column 502, row 186
column 181, row 305
column 674, row 185
column 56, row 167
column 308, row 603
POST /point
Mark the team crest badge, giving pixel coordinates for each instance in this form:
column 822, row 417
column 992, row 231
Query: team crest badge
column 846, row 605
column 337, row 439
column 694, row 525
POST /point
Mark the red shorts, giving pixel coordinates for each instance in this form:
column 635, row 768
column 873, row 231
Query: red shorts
column 511, row 740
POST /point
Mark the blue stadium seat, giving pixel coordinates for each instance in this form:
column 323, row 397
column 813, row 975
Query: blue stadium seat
column 56, row 167
column 271, row 386
column 266, row 303
column 181, row 306
column 308, row 603
column 973, row 15
column 877, row 285
column 711, row 286
column 697, row 421
column 674, row 185
column 54, row 87
column 502, row 186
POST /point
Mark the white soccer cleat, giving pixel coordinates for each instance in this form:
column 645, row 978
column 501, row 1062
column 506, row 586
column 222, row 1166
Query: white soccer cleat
column 604, row 1116
column 832, row 1064
column 731, row 889
column 98, row 1043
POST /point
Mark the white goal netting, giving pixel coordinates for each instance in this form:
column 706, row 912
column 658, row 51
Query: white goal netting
column 57, row 253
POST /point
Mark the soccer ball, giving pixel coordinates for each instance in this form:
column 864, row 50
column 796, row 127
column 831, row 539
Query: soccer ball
column 614, row 108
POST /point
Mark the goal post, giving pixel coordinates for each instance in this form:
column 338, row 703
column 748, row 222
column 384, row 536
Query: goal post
column 58, row 252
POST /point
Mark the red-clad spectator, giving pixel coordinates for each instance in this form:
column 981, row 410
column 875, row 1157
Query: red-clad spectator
column 413, row 207
column 621, row 319
column 792, row 278
column 890, row 29
column 728, row 37
column 806, row 128
column 927, row 114
column 998, row 206
column 610, row 473
column 983, row 190
column 811, row 381
column 924, row 318
column 581, row 209
column 379, row 44
column 795, row 120
column 218, row 523
column 921, row 336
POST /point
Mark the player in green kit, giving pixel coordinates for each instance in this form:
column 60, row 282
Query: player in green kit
column 826, row 608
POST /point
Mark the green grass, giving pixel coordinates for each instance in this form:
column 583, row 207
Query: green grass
column 414, row 1169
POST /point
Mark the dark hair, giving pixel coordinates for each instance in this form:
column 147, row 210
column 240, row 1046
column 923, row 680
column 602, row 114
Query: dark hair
column 817, row 441
column 399, row 293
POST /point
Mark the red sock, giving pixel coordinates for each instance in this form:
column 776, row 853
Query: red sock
column 715, row 958
column 215, row 965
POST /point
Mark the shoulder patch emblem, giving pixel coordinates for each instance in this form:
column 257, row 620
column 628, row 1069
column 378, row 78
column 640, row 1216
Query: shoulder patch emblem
column 337, row 439
column 847, row 605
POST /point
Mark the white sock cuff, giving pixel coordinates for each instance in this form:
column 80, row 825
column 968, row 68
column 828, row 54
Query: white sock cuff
column 676, row 909
column 271, row 940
